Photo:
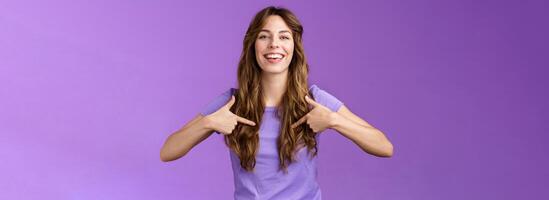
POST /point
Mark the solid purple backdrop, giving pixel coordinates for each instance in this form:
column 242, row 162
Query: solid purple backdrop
column 89, row 91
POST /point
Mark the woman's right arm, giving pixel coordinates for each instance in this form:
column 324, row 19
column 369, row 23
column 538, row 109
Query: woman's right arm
column 201, row 127
column 184, row 139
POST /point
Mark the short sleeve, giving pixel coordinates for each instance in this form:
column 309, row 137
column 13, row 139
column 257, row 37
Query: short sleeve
column 326, row 99
column 217, row 102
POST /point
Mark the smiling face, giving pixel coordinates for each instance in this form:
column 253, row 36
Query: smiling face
column 274, row 46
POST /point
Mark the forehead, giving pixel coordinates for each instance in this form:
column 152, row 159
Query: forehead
column 275, row 24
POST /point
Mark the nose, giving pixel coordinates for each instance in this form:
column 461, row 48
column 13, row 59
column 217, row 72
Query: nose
column 273, row 44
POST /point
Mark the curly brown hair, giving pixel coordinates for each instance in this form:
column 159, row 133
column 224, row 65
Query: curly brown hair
column 249, row 102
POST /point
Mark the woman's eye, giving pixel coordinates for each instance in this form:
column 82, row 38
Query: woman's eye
column 261, row 37
column 285, row 37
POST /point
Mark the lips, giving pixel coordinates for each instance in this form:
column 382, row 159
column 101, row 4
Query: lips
column 274, row 57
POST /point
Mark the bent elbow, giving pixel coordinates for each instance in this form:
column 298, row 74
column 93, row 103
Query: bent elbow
column 389, row 151
column 385, row 152
column 164, row 157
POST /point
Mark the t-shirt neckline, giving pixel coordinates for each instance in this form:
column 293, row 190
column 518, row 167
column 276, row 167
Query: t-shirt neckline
column 274, row 108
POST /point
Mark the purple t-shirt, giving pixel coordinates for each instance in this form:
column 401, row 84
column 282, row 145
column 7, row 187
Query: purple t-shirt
column 267, row 182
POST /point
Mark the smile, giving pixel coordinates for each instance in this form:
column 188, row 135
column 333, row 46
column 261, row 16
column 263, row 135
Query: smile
column 273, row 57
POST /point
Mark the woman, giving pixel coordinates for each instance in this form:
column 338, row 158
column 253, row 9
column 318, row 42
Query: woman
column 272, row 122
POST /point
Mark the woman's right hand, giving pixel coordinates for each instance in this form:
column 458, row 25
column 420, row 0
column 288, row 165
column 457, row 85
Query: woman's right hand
column 224, row 121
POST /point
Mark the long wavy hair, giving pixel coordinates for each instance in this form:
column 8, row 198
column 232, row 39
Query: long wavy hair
column 244, row 140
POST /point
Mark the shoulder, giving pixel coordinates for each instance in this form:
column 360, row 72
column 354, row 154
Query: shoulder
column 325, row 98
column 229, row 92
column 218, row 101
column 226, row 95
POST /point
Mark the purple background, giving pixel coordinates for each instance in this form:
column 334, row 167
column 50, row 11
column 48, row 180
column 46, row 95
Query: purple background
column 90, row 90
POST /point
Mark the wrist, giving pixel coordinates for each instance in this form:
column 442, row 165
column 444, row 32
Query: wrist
column 335, row 120
column 207, row 123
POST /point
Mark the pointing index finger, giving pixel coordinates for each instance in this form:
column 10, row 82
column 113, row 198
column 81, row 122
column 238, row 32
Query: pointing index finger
column 300, row 121
column 244, row 121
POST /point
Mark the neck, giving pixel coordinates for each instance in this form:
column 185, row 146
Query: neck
column 274, row 87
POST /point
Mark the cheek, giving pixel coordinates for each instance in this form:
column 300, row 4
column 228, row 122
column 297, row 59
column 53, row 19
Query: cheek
column 259, row 45
column 257, row 49
column 290, row 49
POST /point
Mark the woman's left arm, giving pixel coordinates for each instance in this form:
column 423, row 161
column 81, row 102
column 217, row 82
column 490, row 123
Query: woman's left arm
column 368, row 138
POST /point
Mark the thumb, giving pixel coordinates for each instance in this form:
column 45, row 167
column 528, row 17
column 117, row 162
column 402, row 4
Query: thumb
column 311, row 101
column 231, row 102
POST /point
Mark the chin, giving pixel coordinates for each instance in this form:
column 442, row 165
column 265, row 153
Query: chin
column 275, row 69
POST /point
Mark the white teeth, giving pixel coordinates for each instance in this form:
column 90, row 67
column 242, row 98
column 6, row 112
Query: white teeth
column 273, row 56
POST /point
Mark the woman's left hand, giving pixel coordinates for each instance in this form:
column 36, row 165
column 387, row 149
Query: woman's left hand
column 319, row 118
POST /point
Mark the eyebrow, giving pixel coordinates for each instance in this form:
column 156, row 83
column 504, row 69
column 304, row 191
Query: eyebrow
column 283, row 31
